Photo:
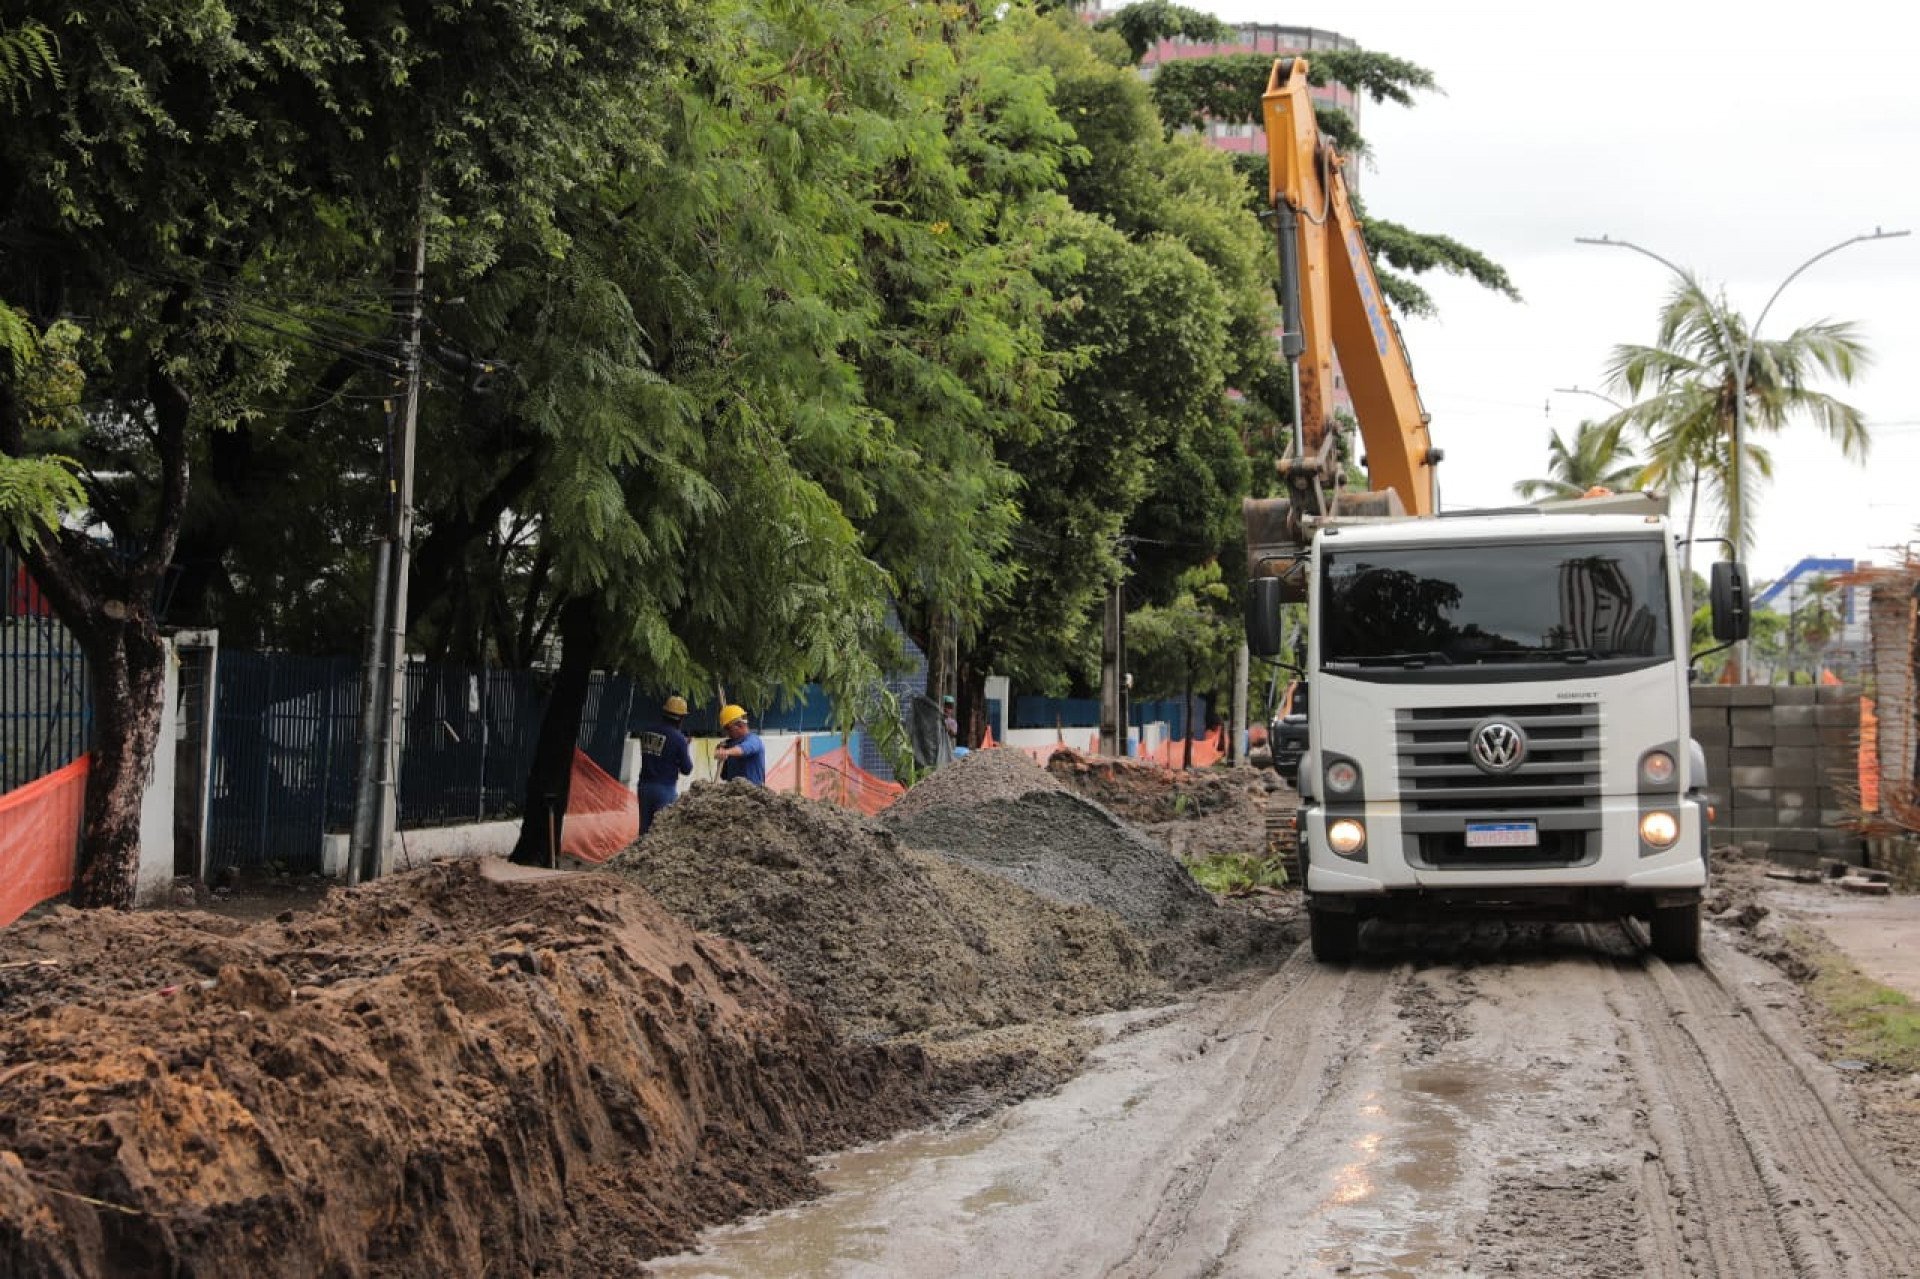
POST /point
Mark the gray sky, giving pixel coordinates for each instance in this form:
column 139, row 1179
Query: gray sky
column 1735, row 140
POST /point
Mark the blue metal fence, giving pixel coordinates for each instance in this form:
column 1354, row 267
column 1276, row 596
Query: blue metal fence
column 284, row 740
column 287, row 740
column 46, row 704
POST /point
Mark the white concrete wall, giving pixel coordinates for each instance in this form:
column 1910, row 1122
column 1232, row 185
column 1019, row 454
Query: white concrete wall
column 1084, row 740
column 155, row 879
column 418, row 847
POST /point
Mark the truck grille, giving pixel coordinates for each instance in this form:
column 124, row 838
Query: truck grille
column 1561, row 769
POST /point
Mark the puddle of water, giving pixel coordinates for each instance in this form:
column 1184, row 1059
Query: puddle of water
column 833, row 1235
column 1395, row 1205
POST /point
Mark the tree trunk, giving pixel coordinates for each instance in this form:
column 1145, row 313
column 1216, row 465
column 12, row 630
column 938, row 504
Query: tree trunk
column 550, row 780
column 1186, row 721
column 128, row 663
column 969, row 703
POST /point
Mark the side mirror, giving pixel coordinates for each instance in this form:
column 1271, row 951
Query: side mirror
column 1263, row 616
column 1732, row 615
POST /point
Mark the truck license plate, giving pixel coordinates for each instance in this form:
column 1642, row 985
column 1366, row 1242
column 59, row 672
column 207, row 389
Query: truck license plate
column 1502, row 835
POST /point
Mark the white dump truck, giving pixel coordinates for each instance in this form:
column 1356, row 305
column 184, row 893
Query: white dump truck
column 1500, row 720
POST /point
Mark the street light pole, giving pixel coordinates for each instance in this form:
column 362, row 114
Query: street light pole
column 1742, row 357
column 1581, row 390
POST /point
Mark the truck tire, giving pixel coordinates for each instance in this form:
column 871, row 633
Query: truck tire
column 1335, row 935
column 1676, row 933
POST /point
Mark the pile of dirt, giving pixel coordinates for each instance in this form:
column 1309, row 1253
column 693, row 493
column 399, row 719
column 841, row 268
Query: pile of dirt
column 446, row 1072
column 1022, row 825
column 1194, row 813
column 888, row 941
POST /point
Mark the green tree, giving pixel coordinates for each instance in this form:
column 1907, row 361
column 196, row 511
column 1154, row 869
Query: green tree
column 1682, row 389
column 1598, row 457
column 28, row 52
column 35, row 492
column 1187, row 645
column 171, row 186
column 1161, row 280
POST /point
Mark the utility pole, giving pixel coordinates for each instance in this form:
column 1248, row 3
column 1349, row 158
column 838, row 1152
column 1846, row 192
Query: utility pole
column 1236, row 745
column 377, row 795
column 1113, row 692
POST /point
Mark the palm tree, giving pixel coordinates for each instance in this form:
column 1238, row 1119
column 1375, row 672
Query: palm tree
column 1598, row 458
column 1683, row 389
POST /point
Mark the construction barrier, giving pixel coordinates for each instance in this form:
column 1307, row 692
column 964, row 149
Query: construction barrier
column 39, row 839
column 790, row 772
column 835, row 778
column 1172, row 753
column 1867, row 762
column 603, row 816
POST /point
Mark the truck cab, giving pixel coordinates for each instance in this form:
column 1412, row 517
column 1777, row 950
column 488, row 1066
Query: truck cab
column 1500, row 724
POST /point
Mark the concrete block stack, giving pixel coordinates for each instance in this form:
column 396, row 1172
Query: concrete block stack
column 1778, row 758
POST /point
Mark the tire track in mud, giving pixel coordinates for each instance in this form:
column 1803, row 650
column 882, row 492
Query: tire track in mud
column 1282, row 1075
column 1758, row 1173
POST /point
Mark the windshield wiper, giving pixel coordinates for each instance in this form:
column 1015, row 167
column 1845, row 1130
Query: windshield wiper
column 1412, row 661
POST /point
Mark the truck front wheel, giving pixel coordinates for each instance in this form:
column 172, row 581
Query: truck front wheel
column 1335, row 935
column 1676, row 933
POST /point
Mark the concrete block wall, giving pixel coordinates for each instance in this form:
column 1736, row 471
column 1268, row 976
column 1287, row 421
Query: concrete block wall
column 1777, row 759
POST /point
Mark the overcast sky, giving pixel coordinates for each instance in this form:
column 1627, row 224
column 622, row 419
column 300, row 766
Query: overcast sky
column 1736, row 140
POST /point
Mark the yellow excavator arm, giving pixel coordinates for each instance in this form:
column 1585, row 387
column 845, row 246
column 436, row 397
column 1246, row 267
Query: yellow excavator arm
column 1331, row 303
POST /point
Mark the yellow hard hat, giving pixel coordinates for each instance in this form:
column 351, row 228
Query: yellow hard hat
column 675, row 705
column 729, row 714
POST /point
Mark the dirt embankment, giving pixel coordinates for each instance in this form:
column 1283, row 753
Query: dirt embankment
column 436, row 1074
column 481, row 1071
column 1194, row 813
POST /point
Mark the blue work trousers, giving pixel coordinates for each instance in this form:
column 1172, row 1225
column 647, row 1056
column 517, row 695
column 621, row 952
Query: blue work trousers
column 654, row 796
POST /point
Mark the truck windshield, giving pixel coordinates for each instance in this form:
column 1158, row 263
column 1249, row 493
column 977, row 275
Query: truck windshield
column 1541, row 603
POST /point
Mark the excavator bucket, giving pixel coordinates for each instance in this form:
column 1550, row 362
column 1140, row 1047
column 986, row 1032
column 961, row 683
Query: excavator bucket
column 1273, row 545
column 1276, row 545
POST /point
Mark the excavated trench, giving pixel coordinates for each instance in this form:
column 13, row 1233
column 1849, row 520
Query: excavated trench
column 472, row 1069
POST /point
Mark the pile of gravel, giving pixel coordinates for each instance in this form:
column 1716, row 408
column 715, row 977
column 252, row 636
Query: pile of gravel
column 1008, row 817
column 982, row 777
column 887, row 941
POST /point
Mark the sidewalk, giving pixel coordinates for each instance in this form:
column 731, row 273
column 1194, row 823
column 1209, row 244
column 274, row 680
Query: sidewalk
column 1879, row 934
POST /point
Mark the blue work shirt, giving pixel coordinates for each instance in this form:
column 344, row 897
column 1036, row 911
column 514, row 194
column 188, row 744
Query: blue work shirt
column 665, row 756
column 750, row 765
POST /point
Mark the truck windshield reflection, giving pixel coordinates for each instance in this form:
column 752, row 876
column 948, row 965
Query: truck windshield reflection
column 1543, row 603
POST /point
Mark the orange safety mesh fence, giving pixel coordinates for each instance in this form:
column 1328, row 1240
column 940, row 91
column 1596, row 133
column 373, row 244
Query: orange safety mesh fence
column 1868, row 762
column 603, row 816
column 789, row 772
column 835, row 778
column 39, row 836
column 1172, row 752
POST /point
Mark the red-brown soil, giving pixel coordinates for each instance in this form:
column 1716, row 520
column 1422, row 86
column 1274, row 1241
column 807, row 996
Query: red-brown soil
column 1194, row 813
column 441, row 1073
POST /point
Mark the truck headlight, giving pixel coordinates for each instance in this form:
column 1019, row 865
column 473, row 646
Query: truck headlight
column 1659, row 828
column 1346, row 836
column 1342, row 776
column 1656, row 768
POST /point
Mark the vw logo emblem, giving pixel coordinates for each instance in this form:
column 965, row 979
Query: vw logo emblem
column 1497, row 746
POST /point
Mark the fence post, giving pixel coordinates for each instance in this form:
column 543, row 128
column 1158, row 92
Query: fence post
column 266, row 755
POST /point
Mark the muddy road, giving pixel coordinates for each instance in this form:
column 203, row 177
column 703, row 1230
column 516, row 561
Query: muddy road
column 1493, row 1100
